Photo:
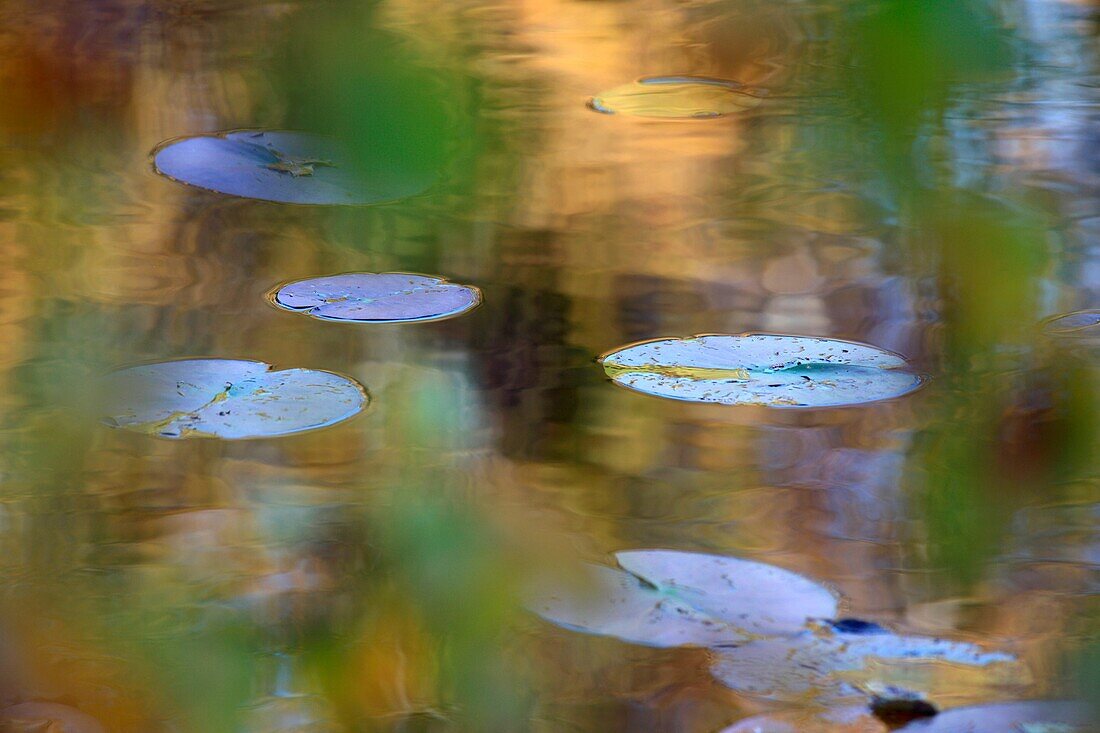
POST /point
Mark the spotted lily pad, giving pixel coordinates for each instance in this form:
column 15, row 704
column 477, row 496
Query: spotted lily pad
column 286, row 167
column 676, row 97
column 762, row 369
column 830, row 661
column 228, row 398
column 665, row 598
column 1078, row 325
column 388, row 297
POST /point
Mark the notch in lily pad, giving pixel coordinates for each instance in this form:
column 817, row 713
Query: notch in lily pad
column 677, row 97
column 828, row 663
column 230, row 399
column 668, row 598
column 773, row 370
column 366, row 297
column 1033, row 716
column 280, row 166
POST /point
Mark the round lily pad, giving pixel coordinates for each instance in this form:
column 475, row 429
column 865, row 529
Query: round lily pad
column 843, row 720
column 828, row 663
column 666, row 598
column 762, row 369
column 286, row 167
column 366, row 297
column 1035, row 716
column 228, row 398
column 1078, row 324
column 676, row 97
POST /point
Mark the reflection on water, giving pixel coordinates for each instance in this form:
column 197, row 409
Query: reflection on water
column 920, row 177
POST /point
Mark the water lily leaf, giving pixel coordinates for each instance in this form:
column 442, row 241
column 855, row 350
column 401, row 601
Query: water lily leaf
column 388, row 297
column 666, row 598
column 1036, row 716
column 677, row 97
column 1077, row 325
column 762, row 369
column 49, row 717
column 228, row 398
column 830, row 663
column 286, row 167
column 843, row 720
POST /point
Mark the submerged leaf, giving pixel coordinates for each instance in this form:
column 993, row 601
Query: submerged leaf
column 388, row 297
column 286, row 167
column 48, row 717
column 668, row 598
column 774, row 370
column 228, row 398
column 676, row 97
column 824, row 662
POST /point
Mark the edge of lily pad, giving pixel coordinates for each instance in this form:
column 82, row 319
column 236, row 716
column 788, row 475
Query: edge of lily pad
column 368, row 400
column 922, row 378
column 270, row 297
column 151, row 161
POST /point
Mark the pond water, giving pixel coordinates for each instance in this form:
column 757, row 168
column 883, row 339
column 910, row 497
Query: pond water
column 919, row 177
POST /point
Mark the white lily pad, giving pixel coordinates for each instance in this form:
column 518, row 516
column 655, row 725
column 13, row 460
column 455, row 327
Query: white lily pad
column 774, row 370
column 677, row 97
column 666, row 598
column 1033, row 716
column 367, row 297
column 228, row 398
column 285, row 167
column 843, row 720
column 831, row 663
column 1083, row 324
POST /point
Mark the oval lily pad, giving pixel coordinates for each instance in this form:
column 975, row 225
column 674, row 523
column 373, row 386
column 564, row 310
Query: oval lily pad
column 666, row 598
column 228, row 398
column 774, row 370
column 844, row 720
column 1083, row 324
column 367, row 297
column 285, row 167
column 825, row 662
column 48, row 717
column 1036, row 716
column 676, row 97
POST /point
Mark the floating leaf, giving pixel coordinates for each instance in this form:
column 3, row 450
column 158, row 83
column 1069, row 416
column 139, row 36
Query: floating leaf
column 228, row 398
column 1012, row 717
column 366, row 297
column 828, row 662
column 1037, row 716
column 1078, row 325
column 47, row 717
column 676, row 97
column 761, row 369
column 844, row 720
column 286, row 167
column 667, row 598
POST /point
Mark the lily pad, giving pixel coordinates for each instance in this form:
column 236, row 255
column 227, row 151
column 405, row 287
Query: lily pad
column 666, row 598
column 677, row 97
column 1078, row 325
column 762, row 369
column 1035, row 716
column 843, row 720
column 47, row 717
column 285, row 167
column 827, row 662
column 388, row 297
column 228, row 398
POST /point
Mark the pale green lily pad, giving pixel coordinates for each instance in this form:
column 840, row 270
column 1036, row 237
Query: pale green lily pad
column 666, row 598
column 831, row 663
column 228, row 398
column 774, row 370
column 386, row 297
column 677, row 97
